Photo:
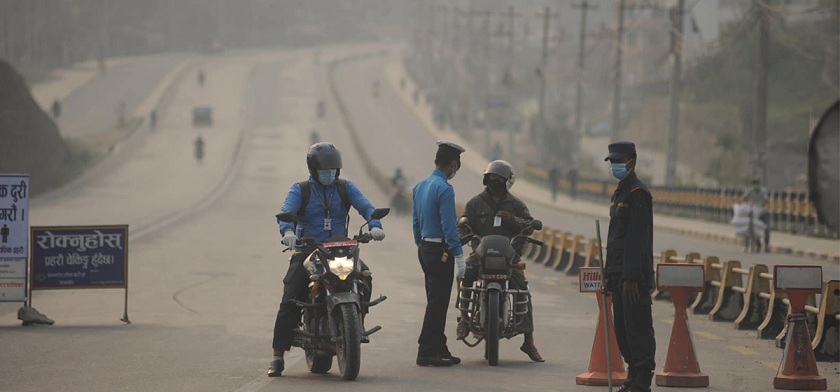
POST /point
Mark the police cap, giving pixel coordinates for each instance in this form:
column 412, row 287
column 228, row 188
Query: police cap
column 619, row 150
column 448, row 152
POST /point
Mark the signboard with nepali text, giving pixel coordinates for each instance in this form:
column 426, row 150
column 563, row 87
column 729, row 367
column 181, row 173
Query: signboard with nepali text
column 77, row 257
column 14, row 216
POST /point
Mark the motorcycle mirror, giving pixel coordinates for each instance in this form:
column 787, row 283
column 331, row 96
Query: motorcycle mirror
column 537, row 224
column 286, row 217
column 380, row 213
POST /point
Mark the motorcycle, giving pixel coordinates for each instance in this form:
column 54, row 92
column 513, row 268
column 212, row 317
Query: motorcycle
column 400, row 201
column 333, row 317
column 493, row 309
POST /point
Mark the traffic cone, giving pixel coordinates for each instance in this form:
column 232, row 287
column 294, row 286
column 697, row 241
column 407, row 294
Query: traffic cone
column 597, row 373
column 798, row 369
column 681, row 367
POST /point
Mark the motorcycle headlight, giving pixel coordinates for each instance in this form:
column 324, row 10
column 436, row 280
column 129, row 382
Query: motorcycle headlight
column 341, row 267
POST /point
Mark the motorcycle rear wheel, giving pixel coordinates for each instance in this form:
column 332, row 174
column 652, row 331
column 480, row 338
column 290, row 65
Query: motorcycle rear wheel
column 493, row 324
column 348, row 348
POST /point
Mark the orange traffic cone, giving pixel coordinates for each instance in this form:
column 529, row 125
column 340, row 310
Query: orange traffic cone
column 597, row 373
column 798, row 369
column 681, row 367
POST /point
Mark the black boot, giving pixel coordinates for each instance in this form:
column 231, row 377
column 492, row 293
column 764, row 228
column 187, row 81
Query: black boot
column 631, row 376
column 642, row 381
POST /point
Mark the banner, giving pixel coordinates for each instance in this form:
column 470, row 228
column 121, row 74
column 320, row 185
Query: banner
column 14, row 216
column 75, row 257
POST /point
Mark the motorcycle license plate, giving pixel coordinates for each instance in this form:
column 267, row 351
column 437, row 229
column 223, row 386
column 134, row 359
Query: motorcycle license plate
column 494, row 276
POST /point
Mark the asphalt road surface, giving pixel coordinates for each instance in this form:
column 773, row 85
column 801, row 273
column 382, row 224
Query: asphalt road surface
column 206, row 266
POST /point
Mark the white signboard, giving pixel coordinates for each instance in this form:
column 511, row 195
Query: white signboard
column 590, row 279
column 13, row 280
column 14, row 216
column 680, row 275
column 798, row 277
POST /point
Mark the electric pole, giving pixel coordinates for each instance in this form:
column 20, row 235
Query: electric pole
column 676, row 90
column 509, row 83
column 543, row 136
column 760, row 103
column 616, row 104
column 584, row 7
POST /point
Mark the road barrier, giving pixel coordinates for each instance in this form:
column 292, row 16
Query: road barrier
column 790, row 212
column 730, row 293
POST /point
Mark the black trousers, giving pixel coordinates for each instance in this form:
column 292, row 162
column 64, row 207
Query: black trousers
column 634, row 326
column 296, row 286
column 439, row 275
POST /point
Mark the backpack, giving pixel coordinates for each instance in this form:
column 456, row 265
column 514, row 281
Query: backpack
column 306, row 193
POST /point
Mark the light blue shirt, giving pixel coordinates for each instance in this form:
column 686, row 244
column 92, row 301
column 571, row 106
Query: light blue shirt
column 433, row 215
column 324, row 203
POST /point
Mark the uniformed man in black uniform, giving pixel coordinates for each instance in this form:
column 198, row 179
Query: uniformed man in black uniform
column 630, row 267
column 497, row 211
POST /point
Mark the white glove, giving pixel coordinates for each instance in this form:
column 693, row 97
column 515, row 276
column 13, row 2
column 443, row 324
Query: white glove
column 461, row 264
column 290, row 239
column 377, row 234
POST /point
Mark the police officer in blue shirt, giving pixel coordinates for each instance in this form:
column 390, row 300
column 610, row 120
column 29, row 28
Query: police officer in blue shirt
column 439, row 250
column 630, row 267
column 323, row 216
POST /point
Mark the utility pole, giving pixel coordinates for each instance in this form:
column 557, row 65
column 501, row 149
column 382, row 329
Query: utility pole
column 676, row 90
column 760, row 103
column 543, row 138
column 584, row 7
column 509, row 79
column 616, row 104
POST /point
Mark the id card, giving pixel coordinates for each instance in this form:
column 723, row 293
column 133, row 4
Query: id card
column 327, row 223
column 497, row 221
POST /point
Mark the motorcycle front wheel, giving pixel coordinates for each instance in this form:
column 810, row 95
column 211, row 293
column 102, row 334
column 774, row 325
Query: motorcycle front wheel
column 348, row 348
column 493, row 324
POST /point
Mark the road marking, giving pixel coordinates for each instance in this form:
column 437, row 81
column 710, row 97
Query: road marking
column 743, row 350
column 771, row 365
column 668, row 321
column 263, row 379
column 708, row 335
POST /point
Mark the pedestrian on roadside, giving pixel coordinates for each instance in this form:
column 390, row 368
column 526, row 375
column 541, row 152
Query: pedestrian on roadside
column 553, row 177
column 629, row 267
column 758, row 197
column 201, row 78
column 574, row 176
column 153, row 120
column 439, row 251
column 56, row 108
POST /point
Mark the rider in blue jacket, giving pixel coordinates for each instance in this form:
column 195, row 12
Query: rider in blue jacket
column 323, row 216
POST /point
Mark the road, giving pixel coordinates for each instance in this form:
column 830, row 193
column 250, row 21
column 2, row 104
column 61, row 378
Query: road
column 206, row 267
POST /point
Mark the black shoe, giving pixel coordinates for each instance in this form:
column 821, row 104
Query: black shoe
column 437, row 361
column 275, row 369
column 455, row 360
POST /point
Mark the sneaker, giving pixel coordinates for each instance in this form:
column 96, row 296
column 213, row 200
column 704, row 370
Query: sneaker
column 275, row 369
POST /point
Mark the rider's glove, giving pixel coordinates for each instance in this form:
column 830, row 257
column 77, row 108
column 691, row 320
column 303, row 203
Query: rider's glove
column 290, row 239
column 461, row 265
column 377, row 234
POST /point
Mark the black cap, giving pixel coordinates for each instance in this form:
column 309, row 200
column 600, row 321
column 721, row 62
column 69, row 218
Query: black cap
column 448, row 152
column 619, row 150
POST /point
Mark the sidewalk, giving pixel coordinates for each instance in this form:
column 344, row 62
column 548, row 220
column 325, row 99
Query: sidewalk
column 815, row 248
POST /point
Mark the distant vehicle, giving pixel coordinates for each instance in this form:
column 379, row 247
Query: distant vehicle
column 202, row 116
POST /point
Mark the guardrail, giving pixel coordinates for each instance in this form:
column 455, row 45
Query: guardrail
column 790, row 212
column 743, row 297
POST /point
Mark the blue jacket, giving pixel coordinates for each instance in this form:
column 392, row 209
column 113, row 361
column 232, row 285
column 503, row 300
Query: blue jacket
column 433, row 215
column 311, row 224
